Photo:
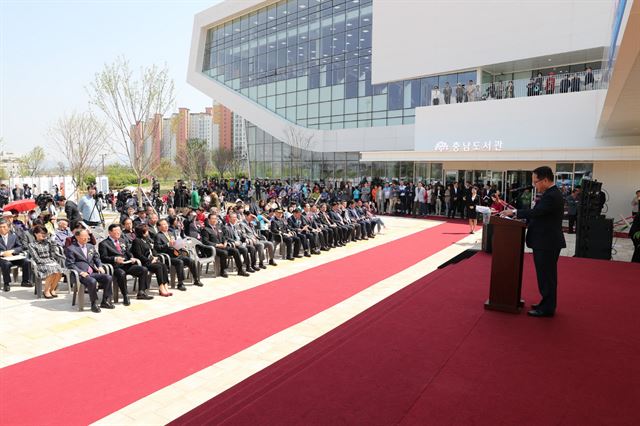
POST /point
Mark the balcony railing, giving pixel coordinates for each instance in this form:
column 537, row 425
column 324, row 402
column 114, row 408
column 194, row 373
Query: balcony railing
column 539, row 86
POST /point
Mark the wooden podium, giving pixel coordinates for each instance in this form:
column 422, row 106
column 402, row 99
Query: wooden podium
column 506, row 265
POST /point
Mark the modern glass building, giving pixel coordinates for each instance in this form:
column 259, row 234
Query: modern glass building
column 348, row 89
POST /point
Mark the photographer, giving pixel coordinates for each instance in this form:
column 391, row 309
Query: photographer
column 70, row 210
column 88, row 207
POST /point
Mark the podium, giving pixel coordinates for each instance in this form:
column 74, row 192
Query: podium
column 506, row 265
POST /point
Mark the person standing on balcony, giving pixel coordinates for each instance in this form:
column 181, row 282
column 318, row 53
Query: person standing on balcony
column 538, row 85
column 575, row 83
column 565, row 84
column 531, row 87
column 459, row 93
column 509, row 91
column 447, row 93
column 435, row 95
column 499, row 90
column 588, row 79
column 550, row 85
column 471, row 92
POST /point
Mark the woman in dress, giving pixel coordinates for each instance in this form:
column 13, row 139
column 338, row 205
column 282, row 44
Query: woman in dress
column 142, row 249
column 43, row 253
column 472, row 202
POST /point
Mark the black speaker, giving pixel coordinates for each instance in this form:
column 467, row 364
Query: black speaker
column 594, row 238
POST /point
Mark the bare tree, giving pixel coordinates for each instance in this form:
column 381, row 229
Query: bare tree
column 195, row 160
column 300, row 141
column 133, row 104
column 32, row 162
column 81, row 138
column 223, row 160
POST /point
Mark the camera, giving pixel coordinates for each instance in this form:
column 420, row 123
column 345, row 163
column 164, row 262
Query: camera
column 43, row 199
column 121, row 202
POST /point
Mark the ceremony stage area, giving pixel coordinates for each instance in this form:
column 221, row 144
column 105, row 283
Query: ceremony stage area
column 154, row 370
column 430, row 354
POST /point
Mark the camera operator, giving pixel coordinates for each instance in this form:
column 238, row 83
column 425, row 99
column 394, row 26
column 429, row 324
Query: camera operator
column 71, row 210
column 88, row 207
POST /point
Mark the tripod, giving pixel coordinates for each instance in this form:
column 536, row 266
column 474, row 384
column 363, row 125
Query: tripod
column 96, row 205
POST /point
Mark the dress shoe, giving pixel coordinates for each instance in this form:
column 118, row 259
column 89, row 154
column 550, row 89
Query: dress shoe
column 290, row 258
column 95, row 308
column 54, row 295
column 535, row 306
column 181, row 287
column 273, row 263
column 223, row 274
column 197, row 283
column 26, row 284
column 537, row 313
column 107, row 305
column 243, row 274
column 298, row 256
column 6, row 287
column 47, row 297
column 143, row 296
column 250, row 270
column 307, row 254
column 125, row 300
column 261, row 266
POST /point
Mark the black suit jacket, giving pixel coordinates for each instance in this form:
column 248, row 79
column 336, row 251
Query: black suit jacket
column 212, row 236
column 161, row 244
column 108, row 251
column 13, row 243
column 77, row 261
column 545, row 221
column 141, row 249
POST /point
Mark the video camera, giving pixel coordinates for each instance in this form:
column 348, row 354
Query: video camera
column 121, row 201
column 43, row 199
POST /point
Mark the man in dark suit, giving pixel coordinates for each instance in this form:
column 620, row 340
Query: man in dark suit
column 281, row 233
column 545, row 237
column 84, row 258
column 213, row 236
column 303, row 232
column 71, row 211
column 116, row 251
column 233, row 236
column 346, row 230
column 164, row 243
column 10, row 245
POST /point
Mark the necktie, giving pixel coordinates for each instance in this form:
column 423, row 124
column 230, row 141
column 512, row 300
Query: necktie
column 84, row 250
column 117, row 243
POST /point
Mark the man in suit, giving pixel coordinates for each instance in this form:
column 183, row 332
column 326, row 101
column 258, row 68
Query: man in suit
column 10, row 245
column 281, row 233
column 545, row 237
column 116, row 251
column 234, row 236
column 337, row 237
column 213, row 236
column 303, row 232
column 346, row 230
column 164, row 243
column 71, row 211
column 84, row 258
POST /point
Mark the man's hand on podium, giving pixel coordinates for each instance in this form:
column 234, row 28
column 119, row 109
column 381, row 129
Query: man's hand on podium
column 507, row 213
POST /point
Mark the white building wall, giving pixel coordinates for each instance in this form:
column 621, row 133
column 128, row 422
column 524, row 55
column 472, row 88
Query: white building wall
column 540, row 123
column 417, row 38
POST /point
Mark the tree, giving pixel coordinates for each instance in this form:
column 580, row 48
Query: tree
column 300, row 141
column 32, row 162
column 166, row 169
column 195, row 160
column 223, row 160
column 81, row 138
column 133, row 104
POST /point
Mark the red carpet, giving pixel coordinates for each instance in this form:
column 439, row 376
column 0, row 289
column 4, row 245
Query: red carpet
column 95, row 378
column 430, row 354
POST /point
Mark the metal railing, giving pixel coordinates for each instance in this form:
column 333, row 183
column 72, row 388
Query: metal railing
column 507, row 89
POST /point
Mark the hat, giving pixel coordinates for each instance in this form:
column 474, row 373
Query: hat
column 239, row 201
column 7, row 213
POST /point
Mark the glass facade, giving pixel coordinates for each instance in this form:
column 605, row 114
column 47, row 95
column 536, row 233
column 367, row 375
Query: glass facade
column 309, row 61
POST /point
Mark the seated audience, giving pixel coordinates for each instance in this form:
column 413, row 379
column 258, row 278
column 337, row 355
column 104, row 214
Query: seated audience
column 43, row 253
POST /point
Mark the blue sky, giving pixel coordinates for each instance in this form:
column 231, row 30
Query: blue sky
column 50, row 51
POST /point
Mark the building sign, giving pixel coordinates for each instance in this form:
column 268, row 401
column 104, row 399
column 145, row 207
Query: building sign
column 456, row 146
